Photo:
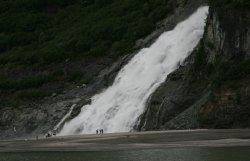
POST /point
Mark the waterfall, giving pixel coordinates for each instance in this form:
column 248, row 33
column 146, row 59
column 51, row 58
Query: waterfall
column 64, row 118
column 118, row 108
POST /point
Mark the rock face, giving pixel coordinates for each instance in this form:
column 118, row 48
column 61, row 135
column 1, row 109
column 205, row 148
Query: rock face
column 212, row 89
column 29, row 120
column 180, row 91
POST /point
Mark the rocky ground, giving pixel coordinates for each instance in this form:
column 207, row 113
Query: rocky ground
column 38, row 117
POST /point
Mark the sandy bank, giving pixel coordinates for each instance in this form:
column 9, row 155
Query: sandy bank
column 135, row 140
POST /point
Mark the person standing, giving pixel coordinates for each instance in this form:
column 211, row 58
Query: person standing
column 14, row 129
column 97, row 131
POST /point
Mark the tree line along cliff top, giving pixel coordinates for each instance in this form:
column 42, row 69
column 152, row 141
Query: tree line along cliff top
column 38, row 37
column 45, row 46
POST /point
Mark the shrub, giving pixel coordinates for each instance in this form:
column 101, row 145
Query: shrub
column 26, row 83
column 32, row 94
column 33, row 38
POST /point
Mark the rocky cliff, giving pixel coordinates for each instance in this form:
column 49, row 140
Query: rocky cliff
column 211, row 90
column 37, row 117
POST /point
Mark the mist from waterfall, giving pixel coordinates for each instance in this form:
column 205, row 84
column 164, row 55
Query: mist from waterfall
column 118, row 108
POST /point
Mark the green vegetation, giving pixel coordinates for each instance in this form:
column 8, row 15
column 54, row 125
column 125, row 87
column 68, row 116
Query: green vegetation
column 221, row 71
column 38, row 36
column 44, row 32
column 229, row 4
column 226, row 72
column 30, row 82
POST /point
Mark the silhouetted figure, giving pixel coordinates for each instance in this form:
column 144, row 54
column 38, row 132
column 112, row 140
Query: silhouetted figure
column 14, row 129
column 97, row 131
column 54, row 133
column 49, row 134
column 101, row 131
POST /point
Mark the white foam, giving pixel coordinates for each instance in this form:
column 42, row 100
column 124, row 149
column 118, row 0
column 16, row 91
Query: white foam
column 64, row 118
column 118, row 107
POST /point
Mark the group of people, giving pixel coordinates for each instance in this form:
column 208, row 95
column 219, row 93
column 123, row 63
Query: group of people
column 53, row 133
column 99, row 131
column 50, row 134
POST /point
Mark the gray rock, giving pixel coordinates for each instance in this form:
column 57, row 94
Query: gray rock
column 188, row 98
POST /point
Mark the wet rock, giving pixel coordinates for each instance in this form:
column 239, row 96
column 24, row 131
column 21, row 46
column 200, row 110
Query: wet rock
column 183, row 102
column 53, row 94
column 180, row 91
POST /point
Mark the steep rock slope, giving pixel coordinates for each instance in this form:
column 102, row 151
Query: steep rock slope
column 36, row 117
column 211, row 90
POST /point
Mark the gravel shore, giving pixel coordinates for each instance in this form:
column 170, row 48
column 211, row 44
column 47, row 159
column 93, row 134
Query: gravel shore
column 132, row 140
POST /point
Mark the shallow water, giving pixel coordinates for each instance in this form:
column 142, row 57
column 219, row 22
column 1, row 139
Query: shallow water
column 187, row 154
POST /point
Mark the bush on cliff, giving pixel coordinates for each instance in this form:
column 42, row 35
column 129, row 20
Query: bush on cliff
column 36, row 36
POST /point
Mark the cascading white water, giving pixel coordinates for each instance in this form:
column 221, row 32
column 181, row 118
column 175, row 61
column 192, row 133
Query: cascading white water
column 118, row 107
column 64, row 118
